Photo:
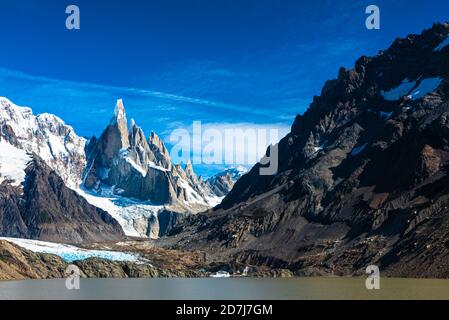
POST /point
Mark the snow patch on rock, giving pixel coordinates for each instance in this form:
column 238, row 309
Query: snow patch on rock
column 132, row 215
column 442, row 45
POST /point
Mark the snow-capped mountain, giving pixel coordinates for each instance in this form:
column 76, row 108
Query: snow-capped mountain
column 130, row 177
column 13, row 162
column 45, row 135
column 135, row 180
column 141, row 168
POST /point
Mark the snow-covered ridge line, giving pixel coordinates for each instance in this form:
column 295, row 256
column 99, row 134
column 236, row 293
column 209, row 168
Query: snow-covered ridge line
column 45, row 135
column 71, row 253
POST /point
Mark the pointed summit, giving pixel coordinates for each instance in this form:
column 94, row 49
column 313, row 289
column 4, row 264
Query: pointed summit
column 119, row 121
column 119, row 111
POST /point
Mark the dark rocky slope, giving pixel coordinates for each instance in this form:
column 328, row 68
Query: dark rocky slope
column 363, row 176
column 45, row 209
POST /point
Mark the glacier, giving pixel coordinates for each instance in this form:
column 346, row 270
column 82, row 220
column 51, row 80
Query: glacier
column 71, row 253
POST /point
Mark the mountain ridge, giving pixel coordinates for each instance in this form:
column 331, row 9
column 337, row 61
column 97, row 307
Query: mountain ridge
column 361, row 176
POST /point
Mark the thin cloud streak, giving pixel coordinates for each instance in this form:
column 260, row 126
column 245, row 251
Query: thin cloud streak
column 134, row 91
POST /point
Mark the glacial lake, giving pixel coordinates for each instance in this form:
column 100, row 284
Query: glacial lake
column 226, row 289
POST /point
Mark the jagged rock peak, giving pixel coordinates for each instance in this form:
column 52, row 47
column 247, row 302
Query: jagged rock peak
column 190, row 172
column 155, row 140
column 45, row 135
column 161, row 152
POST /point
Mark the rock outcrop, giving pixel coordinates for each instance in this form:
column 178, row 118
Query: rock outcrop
column 44, row 208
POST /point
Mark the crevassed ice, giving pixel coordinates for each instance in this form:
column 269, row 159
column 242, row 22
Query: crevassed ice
column 127, row 212
column 71, row 253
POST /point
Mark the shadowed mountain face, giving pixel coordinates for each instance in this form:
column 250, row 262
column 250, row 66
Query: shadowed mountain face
column 363, row 176
column 45, row 209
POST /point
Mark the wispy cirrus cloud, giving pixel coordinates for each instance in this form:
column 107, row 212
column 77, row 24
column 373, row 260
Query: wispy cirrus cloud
column 62, row 84
column 88, row 107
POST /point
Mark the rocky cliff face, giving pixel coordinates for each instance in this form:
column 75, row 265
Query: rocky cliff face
column 362, row 175
column 47, row 136
column 123, row 162
column 43, row 207
column 131, row 177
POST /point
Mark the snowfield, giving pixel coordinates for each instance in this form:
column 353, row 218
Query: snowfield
column 70, row 253
column 13, row 163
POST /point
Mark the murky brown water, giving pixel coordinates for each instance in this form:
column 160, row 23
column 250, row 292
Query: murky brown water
column 231, row 288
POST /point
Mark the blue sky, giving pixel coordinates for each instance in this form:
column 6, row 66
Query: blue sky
column 224, row 63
